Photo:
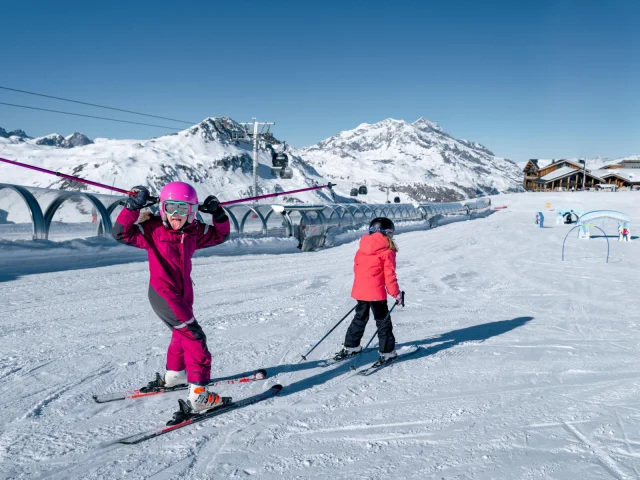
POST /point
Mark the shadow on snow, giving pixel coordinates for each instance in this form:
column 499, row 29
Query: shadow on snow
column 429, row 346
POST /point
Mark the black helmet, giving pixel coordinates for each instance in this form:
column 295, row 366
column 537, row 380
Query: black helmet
column 382, row 225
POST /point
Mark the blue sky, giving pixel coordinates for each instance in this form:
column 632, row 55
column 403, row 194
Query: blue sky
column 540, row 79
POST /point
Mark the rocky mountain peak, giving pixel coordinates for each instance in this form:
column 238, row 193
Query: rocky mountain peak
column 56, row 140
column 15, row 133
column 77, row 140
column 215, row 129
column 418, row 158
column 52, row 140
column 425, row 124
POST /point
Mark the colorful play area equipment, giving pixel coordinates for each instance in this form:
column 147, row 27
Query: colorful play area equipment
column 568, row 216
column 589, row 219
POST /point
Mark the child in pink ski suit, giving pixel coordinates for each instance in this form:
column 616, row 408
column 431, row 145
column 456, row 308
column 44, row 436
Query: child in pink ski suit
column 170, row 241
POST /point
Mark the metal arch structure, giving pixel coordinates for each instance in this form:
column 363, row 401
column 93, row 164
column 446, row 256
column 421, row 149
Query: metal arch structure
column 578, row 226
column 35, row 212
column 368, row 208
column 287, row 222
column 250, row 209
column 350, row 213
column 232, row 218
column 309, row 223
column 406, row 210
column 334, row 213
column 110, row 209
column 106, row 224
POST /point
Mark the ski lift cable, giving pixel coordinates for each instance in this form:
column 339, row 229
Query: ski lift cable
column 95, row 105
column 89, row 116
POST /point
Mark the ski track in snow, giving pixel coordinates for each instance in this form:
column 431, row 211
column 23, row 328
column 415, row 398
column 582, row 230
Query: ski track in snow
column 527, row 368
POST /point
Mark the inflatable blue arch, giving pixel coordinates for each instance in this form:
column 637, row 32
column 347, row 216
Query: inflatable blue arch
column 586, row 221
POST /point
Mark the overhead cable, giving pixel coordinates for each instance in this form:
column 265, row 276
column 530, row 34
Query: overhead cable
column 94, row 105
column 89, row 116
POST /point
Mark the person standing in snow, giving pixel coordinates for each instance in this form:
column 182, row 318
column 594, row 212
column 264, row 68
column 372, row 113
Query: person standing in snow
column 170, row 241
column 375, row 278
column 624, row 233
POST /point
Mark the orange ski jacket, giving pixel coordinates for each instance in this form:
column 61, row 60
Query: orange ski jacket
column 375, row 270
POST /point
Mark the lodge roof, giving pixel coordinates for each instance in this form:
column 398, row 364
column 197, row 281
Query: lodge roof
column 541, row 164
column 631, row 175
column 561, row 173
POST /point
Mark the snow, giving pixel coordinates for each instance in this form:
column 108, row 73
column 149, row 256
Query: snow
column 418, row 159
column 631, row 174
column 561, row 172
column 203, row 155
column 527, row 369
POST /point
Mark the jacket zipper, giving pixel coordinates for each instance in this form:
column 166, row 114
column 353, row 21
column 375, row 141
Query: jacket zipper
column 183, row 263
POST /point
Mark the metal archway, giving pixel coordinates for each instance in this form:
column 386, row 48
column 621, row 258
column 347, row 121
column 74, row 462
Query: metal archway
column 578, row 226
column 246, row 215
column 35, row 212
column 350, row 213
column 334, row 219
column 367, row 208
column 233, row 219
column 105, row 226
column 287, row 221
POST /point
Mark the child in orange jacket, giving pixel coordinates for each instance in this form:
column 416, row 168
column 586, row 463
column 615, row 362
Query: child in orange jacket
column 375, row 278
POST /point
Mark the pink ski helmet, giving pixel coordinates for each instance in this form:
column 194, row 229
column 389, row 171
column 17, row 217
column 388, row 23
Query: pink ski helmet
column 179, row 192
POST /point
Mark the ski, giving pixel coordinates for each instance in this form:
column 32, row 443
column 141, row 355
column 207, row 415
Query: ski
column 201, row 417
column 403, row 353
column 147, row 392
column 333, row 361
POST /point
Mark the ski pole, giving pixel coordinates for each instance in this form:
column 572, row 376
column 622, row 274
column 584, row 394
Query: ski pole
column 353, row 367
column 69, row 177
column 304, row 357
column 155, row 199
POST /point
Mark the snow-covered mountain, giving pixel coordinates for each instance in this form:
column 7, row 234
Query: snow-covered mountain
column 56, row 140
column 205, row 155
column 417, row 159
column 19, row 134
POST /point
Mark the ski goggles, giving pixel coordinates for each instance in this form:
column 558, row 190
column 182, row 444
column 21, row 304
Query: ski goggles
column 385, row 231
column 176, row 208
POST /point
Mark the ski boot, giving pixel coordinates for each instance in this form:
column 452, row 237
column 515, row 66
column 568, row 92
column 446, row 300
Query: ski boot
column 200, row 399
column 171, row 379
column 385, row 358
column 347, row 352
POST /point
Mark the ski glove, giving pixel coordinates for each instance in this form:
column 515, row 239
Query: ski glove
column 140, row 200
column 400, row 299
column 211, row 205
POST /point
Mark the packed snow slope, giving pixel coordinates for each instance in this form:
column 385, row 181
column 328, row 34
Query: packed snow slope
column 205, row 155
column 528, row 367
column 419, row 160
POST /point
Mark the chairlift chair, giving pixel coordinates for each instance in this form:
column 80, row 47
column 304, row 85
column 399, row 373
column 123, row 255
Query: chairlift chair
column 396, row 200
column 363, row 190
column 279, row 159
column 354, row 192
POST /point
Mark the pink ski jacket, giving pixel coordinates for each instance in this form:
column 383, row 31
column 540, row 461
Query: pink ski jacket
column 375, row 270
column 170, row 253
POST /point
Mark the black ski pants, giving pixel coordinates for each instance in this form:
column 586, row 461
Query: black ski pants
column 383, row 322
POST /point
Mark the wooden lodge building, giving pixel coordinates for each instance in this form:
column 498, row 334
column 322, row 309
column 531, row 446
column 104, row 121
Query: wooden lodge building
column 557, row 175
